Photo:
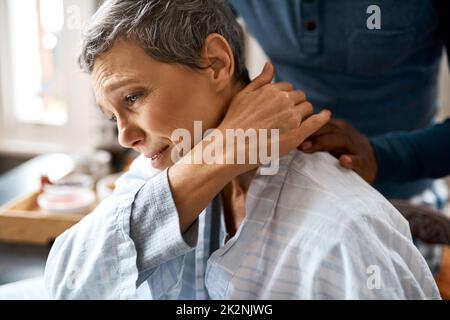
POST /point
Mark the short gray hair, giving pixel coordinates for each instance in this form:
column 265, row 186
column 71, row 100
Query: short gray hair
column 170, row 31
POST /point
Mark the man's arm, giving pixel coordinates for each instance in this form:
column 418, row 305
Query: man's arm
column 399, row 157
column 409, row 156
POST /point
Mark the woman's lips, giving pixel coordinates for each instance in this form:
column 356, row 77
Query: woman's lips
column 157, row 154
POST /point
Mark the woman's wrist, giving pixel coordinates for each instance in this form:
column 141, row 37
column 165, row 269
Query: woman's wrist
column 194, row 183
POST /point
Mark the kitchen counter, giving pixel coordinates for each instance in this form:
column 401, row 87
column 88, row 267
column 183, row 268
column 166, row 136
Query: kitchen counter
column 17, row 261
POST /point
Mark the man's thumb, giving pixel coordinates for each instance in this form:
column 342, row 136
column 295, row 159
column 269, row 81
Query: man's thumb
column 348, row 161
column 266, row 76
column 352, row 162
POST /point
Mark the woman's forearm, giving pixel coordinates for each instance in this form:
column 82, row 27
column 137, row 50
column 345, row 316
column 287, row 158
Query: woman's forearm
column 194, row 186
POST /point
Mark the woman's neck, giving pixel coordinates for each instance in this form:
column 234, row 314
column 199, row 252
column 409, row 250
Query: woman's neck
column 243, row 181
column 234, row 197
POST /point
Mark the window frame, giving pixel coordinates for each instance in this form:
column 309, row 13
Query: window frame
column 76, row 135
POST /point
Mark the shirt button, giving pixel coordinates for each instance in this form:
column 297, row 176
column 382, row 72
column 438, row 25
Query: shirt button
column 310, row 25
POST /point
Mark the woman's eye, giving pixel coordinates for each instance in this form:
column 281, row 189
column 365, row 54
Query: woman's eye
column 130, row 100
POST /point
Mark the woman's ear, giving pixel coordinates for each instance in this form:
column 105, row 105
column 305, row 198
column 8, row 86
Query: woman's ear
column 219, row 60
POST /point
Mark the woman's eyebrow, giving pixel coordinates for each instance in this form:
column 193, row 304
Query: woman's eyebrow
column 113, row 86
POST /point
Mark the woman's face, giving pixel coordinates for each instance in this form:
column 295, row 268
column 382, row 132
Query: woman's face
column 149, row 100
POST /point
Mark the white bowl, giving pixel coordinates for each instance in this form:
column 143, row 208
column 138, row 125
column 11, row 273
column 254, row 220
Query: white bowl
column 105, row 186
column 64, row 199
column 76, row 180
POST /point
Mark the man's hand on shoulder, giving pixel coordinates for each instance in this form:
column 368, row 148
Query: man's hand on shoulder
column 352, row 149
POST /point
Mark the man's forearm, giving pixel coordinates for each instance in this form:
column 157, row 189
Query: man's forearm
column 409, row 156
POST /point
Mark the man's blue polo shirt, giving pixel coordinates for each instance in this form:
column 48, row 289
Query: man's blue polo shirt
column 380, row 80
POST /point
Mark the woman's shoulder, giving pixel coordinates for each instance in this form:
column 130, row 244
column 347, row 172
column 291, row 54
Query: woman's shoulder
column 324, row 195
column 322, row 172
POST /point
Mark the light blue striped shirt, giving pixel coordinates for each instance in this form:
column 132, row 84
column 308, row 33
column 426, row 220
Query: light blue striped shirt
column 313, row 231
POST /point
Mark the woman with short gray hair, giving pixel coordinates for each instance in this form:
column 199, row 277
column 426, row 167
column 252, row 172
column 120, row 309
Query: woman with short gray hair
column 308, row 231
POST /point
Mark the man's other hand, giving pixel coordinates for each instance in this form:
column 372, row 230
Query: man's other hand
column 352, row 149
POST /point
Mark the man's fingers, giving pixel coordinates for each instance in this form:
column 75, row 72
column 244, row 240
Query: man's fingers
column 266, row 77
column 342, row 124
column 326, row 142
column 347, row 161
column 355, row 163
column 305, row 145
column 329, row 128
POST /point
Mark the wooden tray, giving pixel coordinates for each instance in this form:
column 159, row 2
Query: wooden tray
column 22, row 221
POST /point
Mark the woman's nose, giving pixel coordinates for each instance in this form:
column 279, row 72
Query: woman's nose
column 129, row 136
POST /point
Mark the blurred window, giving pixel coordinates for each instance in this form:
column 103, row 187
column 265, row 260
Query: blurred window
column 36, row 61
column 46, row 101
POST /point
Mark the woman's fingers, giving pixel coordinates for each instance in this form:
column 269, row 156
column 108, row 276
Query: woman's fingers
column 311, row 125
column 303, row 110
column 297, row 96
column 266, row 76
column 283, row 86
